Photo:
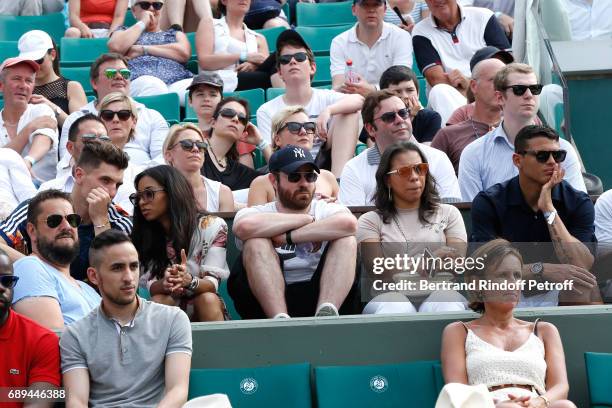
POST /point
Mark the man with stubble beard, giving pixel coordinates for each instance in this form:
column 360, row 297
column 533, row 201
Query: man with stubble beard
column 299, row 253
column 47, row 293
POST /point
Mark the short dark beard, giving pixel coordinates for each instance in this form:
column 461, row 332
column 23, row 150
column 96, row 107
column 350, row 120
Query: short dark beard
column 287, row 200
column 57, row 254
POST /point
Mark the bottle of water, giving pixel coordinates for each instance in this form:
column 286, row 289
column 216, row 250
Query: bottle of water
column 350, row 76
column 304, row 250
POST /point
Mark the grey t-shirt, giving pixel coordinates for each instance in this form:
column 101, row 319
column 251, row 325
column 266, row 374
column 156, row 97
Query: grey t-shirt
column 126, row 365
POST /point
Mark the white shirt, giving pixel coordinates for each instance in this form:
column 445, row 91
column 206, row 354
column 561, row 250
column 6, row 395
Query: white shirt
column 44, row 169
column 394, row 47
column 296, row 269
column 589, row 21
column 603, row 218
column 15, row 181
column 151, row 131
column 488, row 160
column 358, row 181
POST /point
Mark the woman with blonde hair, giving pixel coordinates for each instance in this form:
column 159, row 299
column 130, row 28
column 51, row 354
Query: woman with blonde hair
column 184, row 150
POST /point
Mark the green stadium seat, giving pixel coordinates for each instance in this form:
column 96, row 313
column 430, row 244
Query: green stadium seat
column 12, row 27
column 8, row 49
column 272, row 93
column 395, row 385
column 320, row 38
column 81, row 52
column 192, row 42
column 324, row 14
column 255, row 97
column 286, row 386
column 79, row 74
column 130, row 20
column 166, row 104
column 271, row 35
column 323, row 75
column 559, row 116
column 287, row 10
column 598, row 368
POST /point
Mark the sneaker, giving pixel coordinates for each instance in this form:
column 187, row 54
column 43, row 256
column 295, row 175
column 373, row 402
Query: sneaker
column 176, row 27
column 282, row 316
column 327, row 310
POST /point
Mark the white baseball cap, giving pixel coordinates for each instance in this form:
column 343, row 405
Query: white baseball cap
column 34, row 45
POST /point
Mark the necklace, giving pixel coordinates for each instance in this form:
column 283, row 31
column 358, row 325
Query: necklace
column 474, row 128
column 219, row 162
column 397, row 224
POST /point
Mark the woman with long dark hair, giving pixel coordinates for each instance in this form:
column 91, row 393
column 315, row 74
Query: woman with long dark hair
column 409, row 218
column 182, row 250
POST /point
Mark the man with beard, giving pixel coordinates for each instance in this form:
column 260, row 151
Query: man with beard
column 29, row 353
column 47, row 293
column 299, row 253
column 138, row 353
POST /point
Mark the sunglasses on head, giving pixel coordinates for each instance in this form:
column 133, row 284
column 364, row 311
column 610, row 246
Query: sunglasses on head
column 230, row 113
column 406, row 171
column 298, row 56
column 519, row 90
column 187, row 145
column 110, row 73
column 144, row 195
column 542, row 155
column 8, row 281
column 295, row 127
column 295, row 177
column 146, row 5
column 123, row 114
column 90, row 137
column 389, row 117
column 54, row 220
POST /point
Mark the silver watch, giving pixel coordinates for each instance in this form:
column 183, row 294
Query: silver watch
column 537, row 269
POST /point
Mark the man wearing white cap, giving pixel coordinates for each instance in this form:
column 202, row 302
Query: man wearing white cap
column 30, row 130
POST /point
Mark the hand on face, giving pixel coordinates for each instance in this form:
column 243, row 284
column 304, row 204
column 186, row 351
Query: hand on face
column 98, row 201
column 545, row 201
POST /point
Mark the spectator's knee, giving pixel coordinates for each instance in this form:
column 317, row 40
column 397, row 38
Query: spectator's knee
column 72, row 32
column 258, row 247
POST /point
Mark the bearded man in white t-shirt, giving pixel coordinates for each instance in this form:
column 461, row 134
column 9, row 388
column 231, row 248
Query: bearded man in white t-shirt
column 298, row 253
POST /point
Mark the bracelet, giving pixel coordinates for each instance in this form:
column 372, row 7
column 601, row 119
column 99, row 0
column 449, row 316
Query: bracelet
column 263, row 144
column 30, row 159
column 288, row 238
column 243, row 56
column 498, row 14
column 193, row 285
column 107, row 223
column 141, row 25
column 546, row 400
column 144, row 50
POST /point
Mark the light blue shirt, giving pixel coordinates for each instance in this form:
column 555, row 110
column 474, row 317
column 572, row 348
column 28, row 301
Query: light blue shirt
column 37, row 278
column 488, row 160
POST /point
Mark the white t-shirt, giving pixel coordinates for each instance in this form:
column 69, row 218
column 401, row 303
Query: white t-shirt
column 15, row 181
column 296, row 269
column 44, row 169
column 589, row 21
column 393, row 47
column 603, row 218
column 358, row 180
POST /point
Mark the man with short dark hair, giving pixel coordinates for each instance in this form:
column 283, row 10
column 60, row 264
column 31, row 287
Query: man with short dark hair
column 97, row 176
column 128, row 352
column 29, row 353
column 298, row 253
column 539, row 206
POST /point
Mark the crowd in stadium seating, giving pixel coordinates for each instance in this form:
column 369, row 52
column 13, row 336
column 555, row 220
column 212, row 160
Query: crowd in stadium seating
column 102, row 202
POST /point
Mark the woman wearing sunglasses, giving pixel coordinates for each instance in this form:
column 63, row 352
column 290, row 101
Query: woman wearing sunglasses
column 184, row 150
column 95, row 18
column 157, row 59
column 409, row 215
column 292, row 126
column 60, row 94
column 230, row 125
column 182, row 250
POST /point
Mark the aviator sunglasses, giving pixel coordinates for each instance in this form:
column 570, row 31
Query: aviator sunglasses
column 230, row 113
column 389, row 117
column 54, row 220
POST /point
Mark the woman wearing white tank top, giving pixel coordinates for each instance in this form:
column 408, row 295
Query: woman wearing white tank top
column 521, row 363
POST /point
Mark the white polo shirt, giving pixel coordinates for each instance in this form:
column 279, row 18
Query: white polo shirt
column 453, row 50
column 394, row 47
column 589, row 21
column 15, row 181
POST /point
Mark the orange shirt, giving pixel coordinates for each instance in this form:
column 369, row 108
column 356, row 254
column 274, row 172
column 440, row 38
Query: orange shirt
column 97, row 11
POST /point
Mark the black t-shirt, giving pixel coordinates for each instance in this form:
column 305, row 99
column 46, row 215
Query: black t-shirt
column 426, row 124
column 236, row 176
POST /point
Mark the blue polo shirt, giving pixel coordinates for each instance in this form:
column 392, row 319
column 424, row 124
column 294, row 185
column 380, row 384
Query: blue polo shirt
column 502, row 212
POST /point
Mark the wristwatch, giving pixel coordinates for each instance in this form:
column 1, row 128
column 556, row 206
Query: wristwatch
column 550, row 216
column 194, row 284
column 537, row 269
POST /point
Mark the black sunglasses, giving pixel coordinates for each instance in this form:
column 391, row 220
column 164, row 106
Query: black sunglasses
column 310, row 176
column 54, row 220
column 8, row 281
column 145, row 195
column 229, row 113
column 298, row 56
column 187, row 145
column 389, row 117
column 146, row 5
column 295, row 127
column 41, row 60
column 519, row 90
column 108, row 115
column 543, row 155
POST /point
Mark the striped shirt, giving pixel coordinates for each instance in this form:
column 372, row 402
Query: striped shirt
column 415, row 14
column 13, row 230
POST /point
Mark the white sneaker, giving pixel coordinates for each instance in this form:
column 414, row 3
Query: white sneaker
column 327, row 310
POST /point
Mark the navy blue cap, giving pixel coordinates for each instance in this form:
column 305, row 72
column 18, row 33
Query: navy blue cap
column 290, row 158
column 490, row 52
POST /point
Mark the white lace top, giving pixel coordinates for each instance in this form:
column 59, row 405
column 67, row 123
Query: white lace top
column 490, row 365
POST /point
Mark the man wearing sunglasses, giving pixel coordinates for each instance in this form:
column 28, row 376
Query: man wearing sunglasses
column 29, row 129
column 298, row 253
column 336, row 114
column 29, row 353
column 110, row 73
column 539, row 206
column 488, row 159
column 387, row 120
column 97, row 176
